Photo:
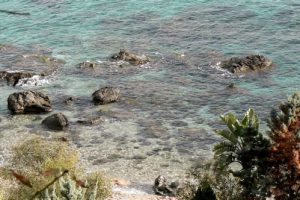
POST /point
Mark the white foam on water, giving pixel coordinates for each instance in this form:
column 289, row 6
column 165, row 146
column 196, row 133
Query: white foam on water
column 35, row 80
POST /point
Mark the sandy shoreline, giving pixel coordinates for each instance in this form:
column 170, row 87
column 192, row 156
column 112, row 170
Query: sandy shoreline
column 130, row 193
column 124, row 196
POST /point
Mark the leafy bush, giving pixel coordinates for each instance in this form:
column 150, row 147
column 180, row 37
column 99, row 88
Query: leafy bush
column 44, row 167
column 284, row 162
column 260, row 167
column 210, row 183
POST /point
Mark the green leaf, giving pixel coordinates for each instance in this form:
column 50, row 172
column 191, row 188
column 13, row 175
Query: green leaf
column 228, row 135
column 245, row 120
column 223, row 147
column 230, row 120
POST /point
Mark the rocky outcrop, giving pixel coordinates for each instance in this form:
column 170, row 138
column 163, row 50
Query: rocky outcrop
column 56, row 121
column 130, row 57
column 246, row 64
column 29, row 102
column 12, row 78
column 161, row 187
column 106, row 95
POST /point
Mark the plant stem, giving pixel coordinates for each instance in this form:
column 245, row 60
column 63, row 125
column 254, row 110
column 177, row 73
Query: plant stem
column 48, row 185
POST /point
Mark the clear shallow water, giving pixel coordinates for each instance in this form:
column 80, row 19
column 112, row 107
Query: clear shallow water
column 165, row 120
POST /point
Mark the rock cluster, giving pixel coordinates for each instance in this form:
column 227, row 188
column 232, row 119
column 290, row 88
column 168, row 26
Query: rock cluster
column 130, row 57
column 246, row 64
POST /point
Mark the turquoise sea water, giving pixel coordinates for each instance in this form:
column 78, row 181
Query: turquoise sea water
column 164, row 122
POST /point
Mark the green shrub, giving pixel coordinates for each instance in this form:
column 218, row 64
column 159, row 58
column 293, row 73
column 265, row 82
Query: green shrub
column 209, row 183
column 42, row 166
column 259, row 167
column 284, row 154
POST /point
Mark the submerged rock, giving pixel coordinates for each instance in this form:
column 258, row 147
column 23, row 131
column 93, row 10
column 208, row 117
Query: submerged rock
column 246, row 64
column 70, row 100
column 106, row 95
column 88, row 65
column 130, row 57
column 30, row 60
column 161, row 187
column 91, row 121
column 28, row 102
column 12, row 78
column 56, row 121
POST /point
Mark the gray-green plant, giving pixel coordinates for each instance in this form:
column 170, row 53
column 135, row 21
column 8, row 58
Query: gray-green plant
column 39, row 164
column 68, row 189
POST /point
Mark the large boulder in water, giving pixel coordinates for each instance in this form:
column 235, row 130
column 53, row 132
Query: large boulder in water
column 130, row 57
column 56, row 121
column 12, row 78
column 29, row 102
column 106, row 95
column 246, row 64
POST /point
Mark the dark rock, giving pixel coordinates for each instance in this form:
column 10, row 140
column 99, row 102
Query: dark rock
column 91, row 121
column 246, row 64
column 161, row 187
column 106, row 95
column 130, row 57
column 28, row 102
column 12, row 78
column 56, row 121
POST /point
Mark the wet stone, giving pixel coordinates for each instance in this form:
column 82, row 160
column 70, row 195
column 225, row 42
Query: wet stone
column 139, row 157
column 179, row 123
